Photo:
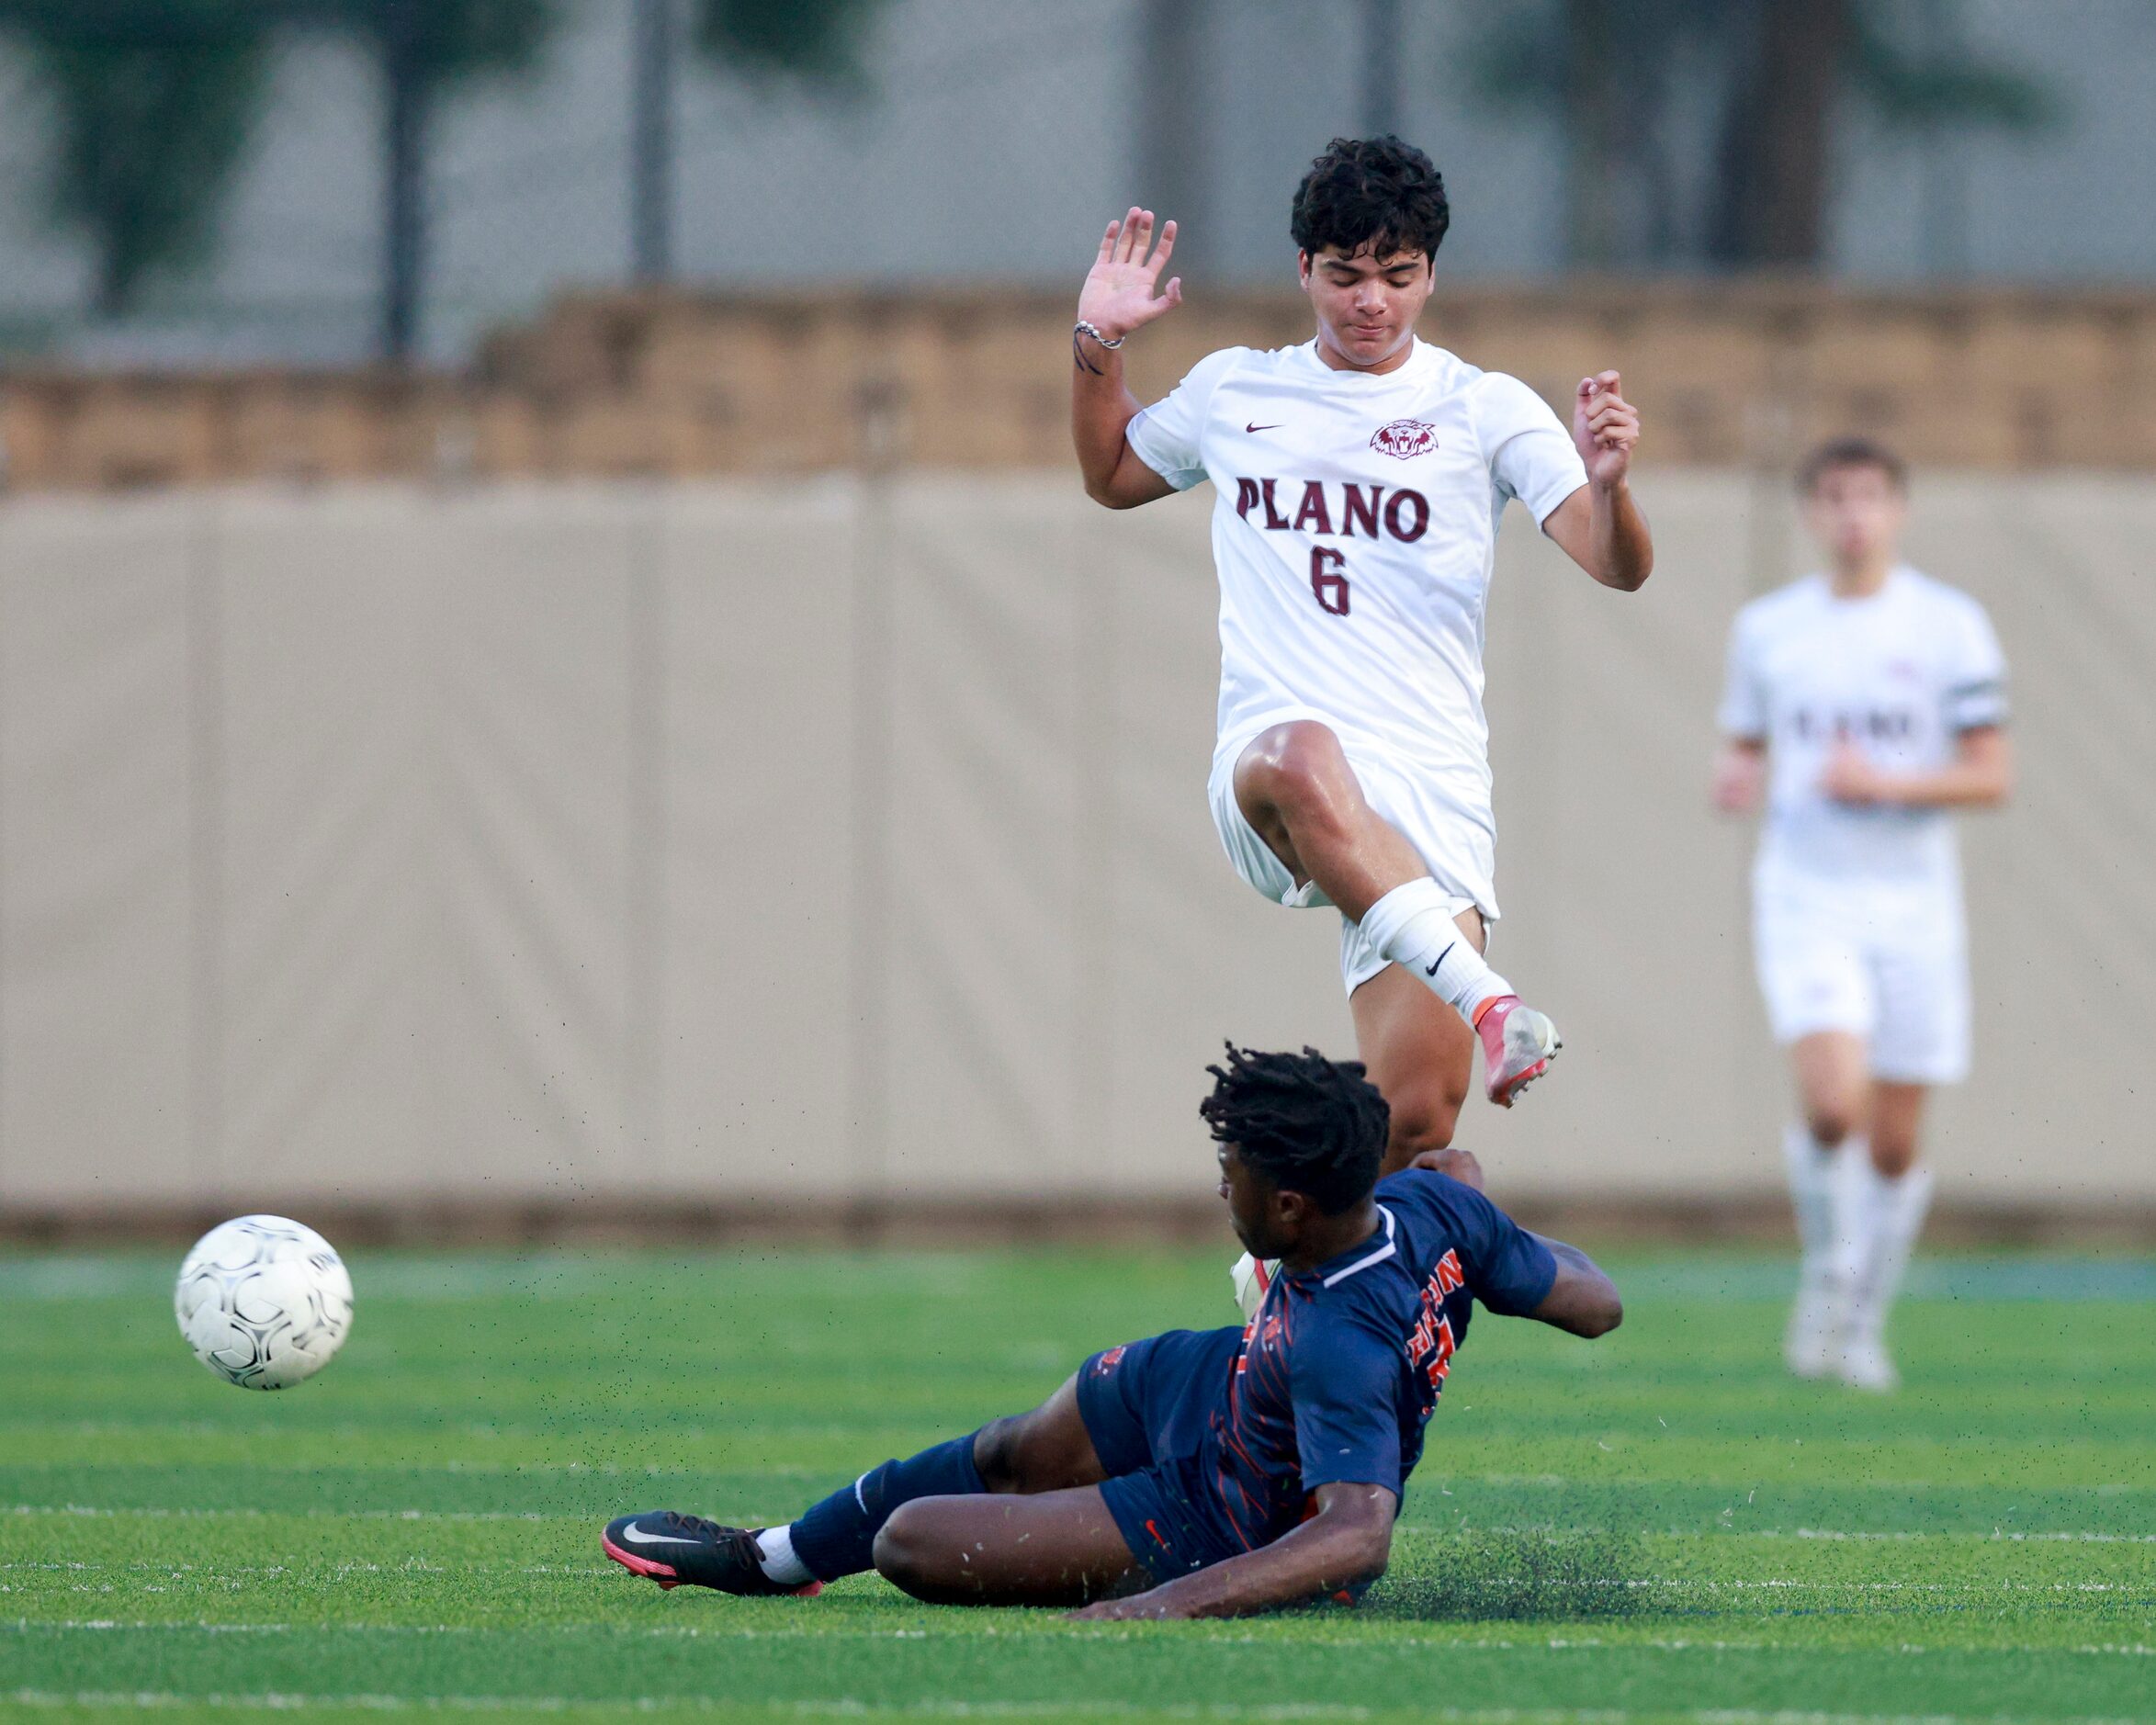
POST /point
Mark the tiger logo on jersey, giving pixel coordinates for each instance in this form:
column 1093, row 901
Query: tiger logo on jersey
column 1405, row 438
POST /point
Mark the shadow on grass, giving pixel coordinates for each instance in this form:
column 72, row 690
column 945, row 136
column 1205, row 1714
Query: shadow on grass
column 1481, row 1577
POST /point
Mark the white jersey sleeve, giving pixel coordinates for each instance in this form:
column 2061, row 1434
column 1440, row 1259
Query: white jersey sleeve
column 1975, row 694
column 1167, row 435
column 1743, row 698
column 1531, row 455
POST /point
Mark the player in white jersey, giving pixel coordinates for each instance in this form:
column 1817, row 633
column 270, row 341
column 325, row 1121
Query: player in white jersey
column 1864, row 705
column 1359, row 478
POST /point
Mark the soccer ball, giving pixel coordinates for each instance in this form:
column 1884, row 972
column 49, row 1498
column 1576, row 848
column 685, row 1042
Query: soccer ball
column 264, row 1303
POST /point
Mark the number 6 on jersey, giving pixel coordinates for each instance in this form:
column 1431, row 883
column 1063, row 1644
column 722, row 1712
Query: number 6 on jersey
column 1327, row 580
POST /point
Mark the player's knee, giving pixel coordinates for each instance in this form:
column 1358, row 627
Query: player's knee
column 1294, row 769
column 1831, row 1119
column 908, row 1549
column 1893, row 1154
column 1000, row 1454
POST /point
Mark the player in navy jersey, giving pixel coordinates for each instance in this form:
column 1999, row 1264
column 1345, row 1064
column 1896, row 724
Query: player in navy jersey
column 1201, row 1473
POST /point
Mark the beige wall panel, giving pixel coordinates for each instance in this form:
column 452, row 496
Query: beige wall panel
column 99, row 959
column 987, row 863
column 756, row 950
column 806, row 841
column 329, row 839
column 2061, row 885
column 528, row 667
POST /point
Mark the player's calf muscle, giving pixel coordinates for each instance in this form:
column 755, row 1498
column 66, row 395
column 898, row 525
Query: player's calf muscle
column 1420, row 1127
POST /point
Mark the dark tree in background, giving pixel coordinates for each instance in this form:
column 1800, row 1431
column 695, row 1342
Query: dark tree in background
column 1759, row 87
column 1174, row 123
column 149, row 110
column 423, row 51
column 815, row 40
column 816, row 43
column 153, row 103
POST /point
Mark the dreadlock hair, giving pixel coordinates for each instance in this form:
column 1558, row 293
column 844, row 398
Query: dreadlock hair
column 1308, row 1124
column 1371, row 193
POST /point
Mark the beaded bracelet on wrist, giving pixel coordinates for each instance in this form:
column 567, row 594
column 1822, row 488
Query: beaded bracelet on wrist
column 1078, row 352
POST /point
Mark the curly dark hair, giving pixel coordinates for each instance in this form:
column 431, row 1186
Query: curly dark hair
column 1308, row 1124
column 1373, row 193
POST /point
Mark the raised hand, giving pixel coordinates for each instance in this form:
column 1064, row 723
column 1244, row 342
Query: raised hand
column 1119, row 295
column 1605, row 426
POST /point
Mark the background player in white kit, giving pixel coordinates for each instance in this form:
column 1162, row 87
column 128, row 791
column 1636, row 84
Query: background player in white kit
column 1867, row 704
column 1358, row 480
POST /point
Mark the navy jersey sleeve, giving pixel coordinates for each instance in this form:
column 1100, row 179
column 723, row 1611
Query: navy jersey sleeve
column 1508, row 1269
column 1345, row 1383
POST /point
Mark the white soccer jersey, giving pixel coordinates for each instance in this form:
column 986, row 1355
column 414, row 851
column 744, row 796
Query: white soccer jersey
column 1901, row 674
column 1354, row 530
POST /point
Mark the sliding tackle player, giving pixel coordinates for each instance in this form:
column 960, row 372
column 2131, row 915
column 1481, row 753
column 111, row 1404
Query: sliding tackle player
column 1201, row 1473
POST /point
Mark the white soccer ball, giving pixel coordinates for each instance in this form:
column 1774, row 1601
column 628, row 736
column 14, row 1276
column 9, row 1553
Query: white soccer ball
column 264, row 1303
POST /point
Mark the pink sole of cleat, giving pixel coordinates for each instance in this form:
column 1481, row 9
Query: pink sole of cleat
column 637, row 1565
column 1503, row 1097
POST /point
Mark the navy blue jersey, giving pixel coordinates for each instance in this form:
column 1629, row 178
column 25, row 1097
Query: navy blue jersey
column 1341, row 1367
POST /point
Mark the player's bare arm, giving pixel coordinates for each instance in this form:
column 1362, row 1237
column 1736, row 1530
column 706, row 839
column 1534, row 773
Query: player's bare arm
column 1599, row 526
column 1981, row 775
column 1582, row 1301
column 1740, row 775
column 1122, row 294
column 1345, row 1544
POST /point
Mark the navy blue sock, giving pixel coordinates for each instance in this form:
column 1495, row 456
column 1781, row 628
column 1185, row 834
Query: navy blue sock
column 837, row 1537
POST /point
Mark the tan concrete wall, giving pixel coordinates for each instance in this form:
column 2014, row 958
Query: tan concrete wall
column 682, row 386
column 811, row 839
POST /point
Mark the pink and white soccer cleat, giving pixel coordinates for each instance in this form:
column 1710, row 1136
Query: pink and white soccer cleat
column 1518, row 1043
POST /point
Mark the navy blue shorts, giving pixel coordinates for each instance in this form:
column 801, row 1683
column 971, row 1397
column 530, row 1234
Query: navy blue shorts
column 1147, row 1406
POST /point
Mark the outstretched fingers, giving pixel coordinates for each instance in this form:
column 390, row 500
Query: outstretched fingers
column 1142, row 237
column 1167, row 246
column 1127, row 246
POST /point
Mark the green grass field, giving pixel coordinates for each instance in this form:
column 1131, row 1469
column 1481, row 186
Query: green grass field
column 1656, row 1526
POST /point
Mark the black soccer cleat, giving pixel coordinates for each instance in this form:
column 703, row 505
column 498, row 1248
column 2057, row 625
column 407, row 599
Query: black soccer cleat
column 673, row 1549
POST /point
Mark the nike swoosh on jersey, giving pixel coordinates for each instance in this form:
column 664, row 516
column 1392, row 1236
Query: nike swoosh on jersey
column 634, row 1538
column 1248, row 427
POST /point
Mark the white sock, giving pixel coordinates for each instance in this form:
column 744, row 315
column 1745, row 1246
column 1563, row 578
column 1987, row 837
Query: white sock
column 1896, row 1211
column 1819, row 1312
column 1811, row 1167
column 775, row 1547
column 1849, row 1204
column 1413, row 927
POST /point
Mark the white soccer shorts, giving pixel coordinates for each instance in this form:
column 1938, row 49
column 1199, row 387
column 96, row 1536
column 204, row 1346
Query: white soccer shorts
column 1889, row 965
column 1457, row 851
